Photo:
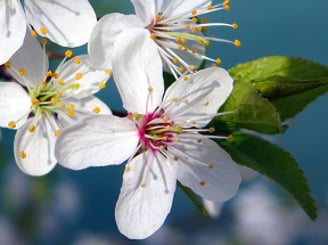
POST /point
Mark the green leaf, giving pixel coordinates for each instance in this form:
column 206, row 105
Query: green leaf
column 274, row 162
column 253, row 111
column 286, row 82
column 194, row 199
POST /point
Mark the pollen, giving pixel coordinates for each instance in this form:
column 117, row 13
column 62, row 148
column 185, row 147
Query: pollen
column 187, row 26
column 49, row 73
column 153, row 36
column 70, row 113
column 180, row 47
column 186, row 101
column 234, row 25
column 143, row 185
column 218, row 61
column 43, row 84
column 206, row 103
column 102, row 85
column 211, row 130
column 44, row 41
column 175, row 60
column 150, row 89
column 158, row 17
column 193, row 122
column 8, row 64
column 35, row 101
column 12, row 124
column 34, row 33
column 55, row 75
column 62, row 105
column 77, row 60
column 211, row 166
column 44, row 30
column 57, row 132
column 127, row 168
column 202, row 182
column 237, row 43
column 194, row 30
column 53, row 101
column 175, row 99
column 31, row 128
column 209, row 7
column 194, row 11
column 194, row 19
column 192, row 68
column 22, row 72
column 176, row 158
column 183, row 39
column 96, row 110
column 194, row 51
column 59, row 95
column 61, row 82
column 226, row 7
column 109, row 72
column 78, row 76
column 22, row 155
column 165, row 118
column 181, row 69
column 68, row 53
column 186, row 78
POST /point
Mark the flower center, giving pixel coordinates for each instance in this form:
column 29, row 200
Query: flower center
column 156, row 131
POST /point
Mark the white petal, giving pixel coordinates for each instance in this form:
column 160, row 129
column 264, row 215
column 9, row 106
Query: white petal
column 184, row 7
column 31, row 58
column 82, row 73
column 104, row 36
column 12, row 28
column 83, row 107
column 69, row 23
column 146, row 10
column 146, row 196
column 38, row 147
column 202, row 94
column 96, row 141
column 15, row 104
column 138, row 70
column 206, row 168
column 213, row 208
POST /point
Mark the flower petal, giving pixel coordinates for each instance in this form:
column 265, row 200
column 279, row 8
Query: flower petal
column 138, row 71
column 68, row 23
column 12, row 28
column 15, row 104
column 146, row 10
column 206, row 168
column 146, row 195
column 29, row 73
column 202, row 94
column 78, row 71
column 104, row 36
column 34, row 150
column 213, row 208
column 96, row 141
column 184, row 7
column 82, row 107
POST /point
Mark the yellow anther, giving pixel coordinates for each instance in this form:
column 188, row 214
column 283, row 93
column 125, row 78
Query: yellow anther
column 193, row 122
column 211, row 130
column 175, row 60
column 127, row 168
column 202, row 182
column 165, row 118
column 226, row 2
column 180, row 47
column 210, row 165
column 181, row 69
column 44, row 30
column 192, row 68
column 55, row 75
column 143, row 185
column 227, row 7
column 153, row 36
column 62, row 105
column 237, row 43
column 194, row 51
column 176, row 158
column 205, row 20
column 206, row 103
column 8, row 64
column 61, row 82
column 70, row 113
column 109, row 72
column 31, row 128
column 34, row 33
column 158, row 17
column 49, row 73
column 199, row 141
column 53, row 101
column 59, row 95
column 194, row 30
column 186, row 78
column 194, row 11
column 234, row 25
column 77, row 60
column 200, row 28
column 187, row 26
column 22, row 72
column 183, row 39
column 150, row 89
column 102, row 85
column 96, row 110
column 12, row 124
column 44, row 41
column 200, row 41
column 68, row 53
column 229, row 138
column 35, row 101
column 78, row 76
column 43, row 84
column 186, row 101
column 209, row 7
column 194, row 19
column 57, row 132
column 174, row 99
column 71, row 107
column 22, row 154
column 218, row 61
column 178, row 39
column 214, row 65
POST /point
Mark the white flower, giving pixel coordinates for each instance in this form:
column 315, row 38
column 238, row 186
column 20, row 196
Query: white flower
column 160, row 139
column 173, row 25
column 67, row 23
column 42, row 102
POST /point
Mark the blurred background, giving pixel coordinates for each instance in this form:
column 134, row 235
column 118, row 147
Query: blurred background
column 77, row 208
